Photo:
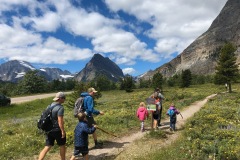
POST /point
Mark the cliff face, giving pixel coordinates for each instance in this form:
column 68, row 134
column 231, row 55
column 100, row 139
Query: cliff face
column 97, row 66
column 201, row 56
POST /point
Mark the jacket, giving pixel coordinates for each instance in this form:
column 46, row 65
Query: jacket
column 81, row 134
column 142, row 113
column 88, row 104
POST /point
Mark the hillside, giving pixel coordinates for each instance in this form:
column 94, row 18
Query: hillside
column 202, row 54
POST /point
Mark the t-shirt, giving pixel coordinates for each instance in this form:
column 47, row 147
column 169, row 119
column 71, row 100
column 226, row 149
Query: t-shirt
column 58, row 110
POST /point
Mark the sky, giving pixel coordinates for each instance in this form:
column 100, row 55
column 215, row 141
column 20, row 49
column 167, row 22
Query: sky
column 138, row 35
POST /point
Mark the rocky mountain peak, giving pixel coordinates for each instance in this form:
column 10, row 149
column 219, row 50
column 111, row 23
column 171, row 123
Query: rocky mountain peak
column 201, row 55
column 97, row 66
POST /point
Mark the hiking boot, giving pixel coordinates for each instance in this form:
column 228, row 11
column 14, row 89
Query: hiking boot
column 98, row 145
column 170, row 129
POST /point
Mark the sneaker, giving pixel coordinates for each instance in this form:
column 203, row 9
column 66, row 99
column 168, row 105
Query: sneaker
column 170, row 129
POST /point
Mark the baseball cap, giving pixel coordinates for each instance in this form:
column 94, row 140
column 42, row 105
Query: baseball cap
column 91, row 90
column 59, row 95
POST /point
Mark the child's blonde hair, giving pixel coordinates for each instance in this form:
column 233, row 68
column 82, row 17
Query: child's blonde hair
column 172, row 104
column 81, row 116
column 142, row 104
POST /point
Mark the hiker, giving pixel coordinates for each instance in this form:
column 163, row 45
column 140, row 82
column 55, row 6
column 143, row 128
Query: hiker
column 142, row 114
column 88, row 104
column 81, row 137
column 226, row 86
column 172, row 113
column 159, row 98
column 58, row 132
column 155, row 115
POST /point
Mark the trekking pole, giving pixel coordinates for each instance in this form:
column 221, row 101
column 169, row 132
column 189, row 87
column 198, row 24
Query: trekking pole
column 181, row 115
column 106, row 132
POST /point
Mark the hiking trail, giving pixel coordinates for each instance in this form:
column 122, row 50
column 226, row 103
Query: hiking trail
column 123, row 148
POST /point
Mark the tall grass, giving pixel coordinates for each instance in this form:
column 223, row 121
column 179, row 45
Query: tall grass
column 20, row 137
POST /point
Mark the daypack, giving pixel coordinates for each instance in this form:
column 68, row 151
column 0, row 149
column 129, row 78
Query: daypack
column 171, row 112
column 45, row 122
column 78, row 106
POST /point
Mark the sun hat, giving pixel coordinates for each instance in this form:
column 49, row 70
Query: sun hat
column 59, row 95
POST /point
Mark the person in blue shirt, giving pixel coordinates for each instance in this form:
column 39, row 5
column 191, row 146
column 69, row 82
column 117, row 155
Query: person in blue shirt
column 88, row 105
column 81, row 137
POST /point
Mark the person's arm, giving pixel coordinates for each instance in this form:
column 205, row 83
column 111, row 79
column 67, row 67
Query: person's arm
column 61, row 125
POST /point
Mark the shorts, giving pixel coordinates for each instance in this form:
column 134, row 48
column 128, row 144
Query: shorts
column 155, row 115
column 55, row 135
column 83, row 150
column 90, row 121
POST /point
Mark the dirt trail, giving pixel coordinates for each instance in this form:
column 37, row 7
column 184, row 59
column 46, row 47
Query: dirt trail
column 120, row 147
column 124, row 149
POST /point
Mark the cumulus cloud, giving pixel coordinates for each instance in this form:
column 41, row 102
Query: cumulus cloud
column 171, row 27
column 129, row 71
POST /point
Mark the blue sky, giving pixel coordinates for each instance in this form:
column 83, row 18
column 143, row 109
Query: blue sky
column 138, row 35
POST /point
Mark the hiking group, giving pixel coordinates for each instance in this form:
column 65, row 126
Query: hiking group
column 86, row 125
column 156, row 100
column 84, row 111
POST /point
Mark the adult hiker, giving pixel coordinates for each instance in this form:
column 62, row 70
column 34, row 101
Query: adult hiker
column 158, row 95
column 88, row 104
column 58, row 132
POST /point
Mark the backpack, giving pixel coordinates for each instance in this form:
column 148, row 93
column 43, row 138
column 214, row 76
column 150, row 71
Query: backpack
column 45, row 122
column 171, row 112
column 78, row 106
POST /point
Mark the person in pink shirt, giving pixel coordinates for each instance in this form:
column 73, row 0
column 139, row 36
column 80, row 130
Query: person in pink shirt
column 142, row 114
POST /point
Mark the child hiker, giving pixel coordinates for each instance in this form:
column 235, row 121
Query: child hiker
column 172, row 113
column 142, row 114
column 81, row 137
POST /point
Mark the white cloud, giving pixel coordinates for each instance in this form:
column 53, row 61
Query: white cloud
column 175, row 24
column 128, row 71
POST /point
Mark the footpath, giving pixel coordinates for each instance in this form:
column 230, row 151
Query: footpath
column 123, row 148
column 126, row 148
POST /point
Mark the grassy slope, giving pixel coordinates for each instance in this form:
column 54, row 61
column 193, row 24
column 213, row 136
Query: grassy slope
column 20, row 137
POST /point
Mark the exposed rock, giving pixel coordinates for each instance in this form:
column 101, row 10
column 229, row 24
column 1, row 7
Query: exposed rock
column 97, row 66
column 201, row 56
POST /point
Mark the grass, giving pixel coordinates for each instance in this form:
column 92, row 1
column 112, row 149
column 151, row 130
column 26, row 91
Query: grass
column 20, row 137
column 212, row 134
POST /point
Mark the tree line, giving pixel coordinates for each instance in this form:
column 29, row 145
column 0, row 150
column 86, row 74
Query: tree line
column 226, row 73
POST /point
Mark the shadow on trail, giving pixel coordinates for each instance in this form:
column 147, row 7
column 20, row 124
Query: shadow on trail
column 105, row 150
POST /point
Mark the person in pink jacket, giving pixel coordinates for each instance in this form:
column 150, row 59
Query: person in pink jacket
column 142, row 114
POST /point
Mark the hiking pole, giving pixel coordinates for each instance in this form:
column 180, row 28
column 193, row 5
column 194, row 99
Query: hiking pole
column 181, row 115
column 106, row 132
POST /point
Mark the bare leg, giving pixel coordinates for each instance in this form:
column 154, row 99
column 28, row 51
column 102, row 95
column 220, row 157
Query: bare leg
column 85, row 157
column 62, row 152
column 44, row 152
column 72, row 158
column 94, row 136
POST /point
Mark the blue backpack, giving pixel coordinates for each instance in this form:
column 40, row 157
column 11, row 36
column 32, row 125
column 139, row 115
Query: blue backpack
column 171, row 112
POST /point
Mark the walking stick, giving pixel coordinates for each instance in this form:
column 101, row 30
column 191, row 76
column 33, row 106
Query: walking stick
column 181, row 115
column 106, row 132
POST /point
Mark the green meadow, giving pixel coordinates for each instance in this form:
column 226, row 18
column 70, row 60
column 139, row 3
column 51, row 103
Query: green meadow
column 213, row 132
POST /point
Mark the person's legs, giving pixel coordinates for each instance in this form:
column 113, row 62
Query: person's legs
column 62, row 152
column 44, row 152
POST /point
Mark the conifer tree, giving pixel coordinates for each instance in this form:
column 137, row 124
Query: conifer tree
column 227, row 69
column 186, row 78
column 157, row 80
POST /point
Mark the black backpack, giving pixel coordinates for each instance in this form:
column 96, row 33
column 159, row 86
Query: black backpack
column 45, row 122
column 78, row 106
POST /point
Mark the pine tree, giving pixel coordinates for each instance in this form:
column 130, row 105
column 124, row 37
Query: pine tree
column 186, row 78
column 227, row 69
column 157, row 80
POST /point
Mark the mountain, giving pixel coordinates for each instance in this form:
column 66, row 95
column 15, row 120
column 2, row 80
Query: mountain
column 97, row 66
column 15, row 70
column 201, row 55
